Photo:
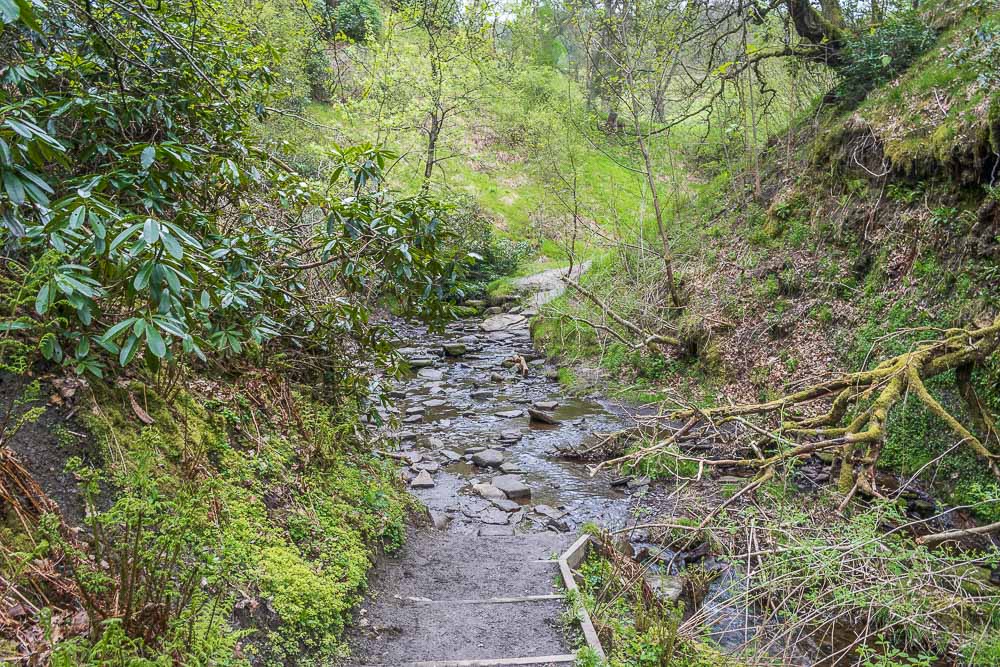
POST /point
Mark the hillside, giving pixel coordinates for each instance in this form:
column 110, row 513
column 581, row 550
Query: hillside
column 645, row 334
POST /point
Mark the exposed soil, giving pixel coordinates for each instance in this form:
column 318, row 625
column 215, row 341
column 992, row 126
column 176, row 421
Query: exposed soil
column 45, row 445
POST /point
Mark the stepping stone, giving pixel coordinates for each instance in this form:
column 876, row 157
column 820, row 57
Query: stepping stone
column 415, row 410
column 511, row 435
column 513, row 486
column 439, row 520
column 546, row 405
column 504, row 504
column 431, row 374
column 489, row 458
column 454, row 349
column 541, row 417
column 429, row 466
column 501, row 322
column 421, row 362
column 413, row 419
column 422, row 481
column 435, row 403
column 511, row 468
column 478, row 395
column 450, row 455
column 509, row 414
column 494, row 516
column 550, row 512
column 489, row 491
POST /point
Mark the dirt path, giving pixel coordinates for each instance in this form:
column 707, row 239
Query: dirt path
column 480, row 587
column 547, row 285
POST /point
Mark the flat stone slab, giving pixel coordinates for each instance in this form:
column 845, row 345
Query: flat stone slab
column 422, row 481
column 541, row 417
column 513, row 486
column 489, row 458
column 501, row 322
column 488, row 491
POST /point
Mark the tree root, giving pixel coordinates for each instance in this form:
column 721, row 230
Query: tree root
column 855, row 423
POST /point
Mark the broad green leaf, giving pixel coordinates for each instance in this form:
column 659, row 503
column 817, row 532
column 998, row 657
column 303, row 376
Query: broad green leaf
column 117, row 329
column 15, row 189
column 9, row 11
column 151, row 231
column 123, row 236
column 154, row 341
column 76, row 217
column 127, row 353
column 148, row 156
column 42, row 300
column 172, row 245
column 141, row 280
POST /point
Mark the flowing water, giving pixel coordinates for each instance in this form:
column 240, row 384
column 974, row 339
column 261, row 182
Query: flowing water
column 474, row 397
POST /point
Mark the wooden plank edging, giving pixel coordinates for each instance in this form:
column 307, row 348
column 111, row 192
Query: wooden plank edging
column 570, row 559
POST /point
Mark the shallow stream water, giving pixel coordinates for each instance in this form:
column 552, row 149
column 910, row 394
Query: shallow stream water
column 458, row 402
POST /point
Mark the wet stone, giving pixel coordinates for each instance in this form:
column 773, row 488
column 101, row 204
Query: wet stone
column 511, row 435
column 665, row 586
column 509, row 414
column 454, row 349
column 451, row 456
column 431, row 374
column 420, row 362
column 541, row 417
column 546, row 405
column 429, row 466
column 415, row 410
column 413, row 419
column 500, row 322
column 489, row 458
column 550, row 512
column 504, row 504
column 512, row 486
column 489, row 491
column 511, row 468
column 435, row 403
column 474, row 450
column 422, row 481
column 494, row 516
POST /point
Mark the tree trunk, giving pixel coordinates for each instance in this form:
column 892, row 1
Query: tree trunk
column 823, row 28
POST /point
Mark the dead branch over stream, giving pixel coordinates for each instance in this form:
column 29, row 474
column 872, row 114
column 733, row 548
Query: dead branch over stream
column 859, row 406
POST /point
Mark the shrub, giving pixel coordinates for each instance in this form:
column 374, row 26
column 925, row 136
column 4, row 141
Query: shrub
column 493, row 257
column 873, row 58
column 358, row 19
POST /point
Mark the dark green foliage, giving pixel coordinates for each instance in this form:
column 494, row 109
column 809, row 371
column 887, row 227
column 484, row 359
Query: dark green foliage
column 358, row 19
column 130, row 162
column 475, row 234
column 873, row 58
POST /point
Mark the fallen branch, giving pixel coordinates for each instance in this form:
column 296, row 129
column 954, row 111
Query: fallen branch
column 648, row 339
column 938, row 538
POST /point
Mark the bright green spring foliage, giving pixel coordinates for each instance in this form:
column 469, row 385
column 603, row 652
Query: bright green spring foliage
column 221, row 547
column 130, row 162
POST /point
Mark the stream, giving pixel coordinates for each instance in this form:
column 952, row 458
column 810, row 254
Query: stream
column 482, row 464
column 465, row 423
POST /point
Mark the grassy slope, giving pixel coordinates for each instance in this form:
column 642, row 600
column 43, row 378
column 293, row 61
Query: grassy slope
column 833, row 267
